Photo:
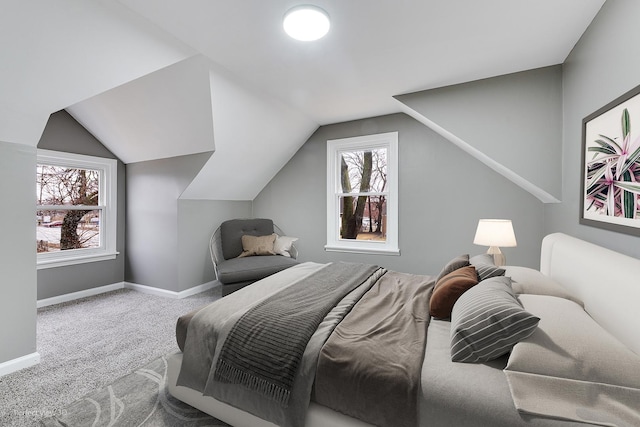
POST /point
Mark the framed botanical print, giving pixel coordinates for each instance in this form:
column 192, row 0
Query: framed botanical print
column 610, row 196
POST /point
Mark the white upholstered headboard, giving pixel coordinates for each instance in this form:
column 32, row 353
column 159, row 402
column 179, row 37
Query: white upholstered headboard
column 606, row 281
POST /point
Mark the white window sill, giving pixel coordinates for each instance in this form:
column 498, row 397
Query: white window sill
column 362, row 250
column 75, row 259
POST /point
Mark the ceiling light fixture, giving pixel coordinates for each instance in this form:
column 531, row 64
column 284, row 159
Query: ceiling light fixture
column 306, row 23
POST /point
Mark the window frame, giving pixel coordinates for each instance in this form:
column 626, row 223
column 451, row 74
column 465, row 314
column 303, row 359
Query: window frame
column 387, row 140
column 107, row 204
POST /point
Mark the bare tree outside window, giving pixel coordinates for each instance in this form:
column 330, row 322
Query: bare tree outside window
column 363, row 174
column 64, row 215
column 362, row 194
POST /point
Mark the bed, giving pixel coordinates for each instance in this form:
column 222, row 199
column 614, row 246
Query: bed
column 576, row 361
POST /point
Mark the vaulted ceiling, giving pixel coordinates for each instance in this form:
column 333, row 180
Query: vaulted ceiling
column 155, row 79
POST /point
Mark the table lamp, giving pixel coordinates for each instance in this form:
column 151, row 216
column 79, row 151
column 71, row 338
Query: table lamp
column 495, row 233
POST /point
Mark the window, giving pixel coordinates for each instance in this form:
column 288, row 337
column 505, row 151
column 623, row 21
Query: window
column 362, row 194
column 75, row 208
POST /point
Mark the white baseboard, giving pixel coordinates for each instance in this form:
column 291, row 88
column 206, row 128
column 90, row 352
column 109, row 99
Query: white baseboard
column 197, row 289
column 19, row 363
column 171, row 294
column 80, row 294
column 134, row 286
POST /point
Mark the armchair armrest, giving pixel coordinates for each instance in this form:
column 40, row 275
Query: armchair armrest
column 215, row 249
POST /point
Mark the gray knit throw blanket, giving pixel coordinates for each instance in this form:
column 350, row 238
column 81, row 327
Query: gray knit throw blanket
column 265, row 346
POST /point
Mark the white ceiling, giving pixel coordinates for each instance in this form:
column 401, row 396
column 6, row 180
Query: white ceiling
column 375, row 48
column 154, row 79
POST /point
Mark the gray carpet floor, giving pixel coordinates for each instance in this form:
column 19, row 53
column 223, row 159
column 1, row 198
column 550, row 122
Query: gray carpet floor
column 89, row 343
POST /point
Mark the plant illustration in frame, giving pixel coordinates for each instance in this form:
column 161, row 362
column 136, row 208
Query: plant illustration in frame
column 611, row 166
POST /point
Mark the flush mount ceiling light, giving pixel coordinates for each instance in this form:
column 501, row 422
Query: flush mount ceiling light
column 306, row 23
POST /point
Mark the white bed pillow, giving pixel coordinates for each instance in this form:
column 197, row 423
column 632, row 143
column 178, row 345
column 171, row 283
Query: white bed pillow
column 529, row 281
column 571, row 368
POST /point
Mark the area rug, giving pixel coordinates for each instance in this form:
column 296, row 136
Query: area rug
column 138, row 399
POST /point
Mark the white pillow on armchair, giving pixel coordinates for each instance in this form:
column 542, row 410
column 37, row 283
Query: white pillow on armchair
column 283, row 244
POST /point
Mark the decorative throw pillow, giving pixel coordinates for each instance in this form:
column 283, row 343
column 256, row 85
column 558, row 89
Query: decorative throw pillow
column 454, row 264
column 485, row 267
column 482, row 259
column 449, row 288
column 486, row 271
column 257, row 245
column 487, row 321
column 282, row 245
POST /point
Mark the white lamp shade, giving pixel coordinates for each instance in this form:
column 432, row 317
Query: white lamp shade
column 495, row 232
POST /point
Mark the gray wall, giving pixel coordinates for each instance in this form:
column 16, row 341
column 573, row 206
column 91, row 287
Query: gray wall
column 153, row 190
column 17, row 251
column 443, row 193
column 603, row 65
column 63, row 133
column 514, row 119
column 197, row 220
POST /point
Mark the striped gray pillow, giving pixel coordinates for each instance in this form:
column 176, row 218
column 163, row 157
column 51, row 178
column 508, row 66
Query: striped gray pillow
column 487, row 321
column 486, row 271
column 485, row 267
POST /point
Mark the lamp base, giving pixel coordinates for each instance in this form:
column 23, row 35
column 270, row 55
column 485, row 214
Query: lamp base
column 498, row 257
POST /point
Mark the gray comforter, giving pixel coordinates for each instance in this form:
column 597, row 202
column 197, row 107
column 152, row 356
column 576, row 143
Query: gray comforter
column 370, row 366
column 209, row 328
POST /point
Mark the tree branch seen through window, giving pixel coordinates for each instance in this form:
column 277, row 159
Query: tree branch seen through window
column 365, row 173
column 63, row 193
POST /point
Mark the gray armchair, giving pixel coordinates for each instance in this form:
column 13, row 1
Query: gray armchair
column 226, row 244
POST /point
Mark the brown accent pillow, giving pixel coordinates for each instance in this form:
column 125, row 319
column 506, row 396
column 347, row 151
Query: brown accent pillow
column 449, row 288
column 257, row 245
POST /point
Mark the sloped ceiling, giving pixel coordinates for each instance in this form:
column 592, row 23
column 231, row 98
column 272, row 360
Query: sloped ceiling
column 255, row 136
column 267, row 92
column 163, row 114
column 196, row 106
column 55, row 53
column 492, row 119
